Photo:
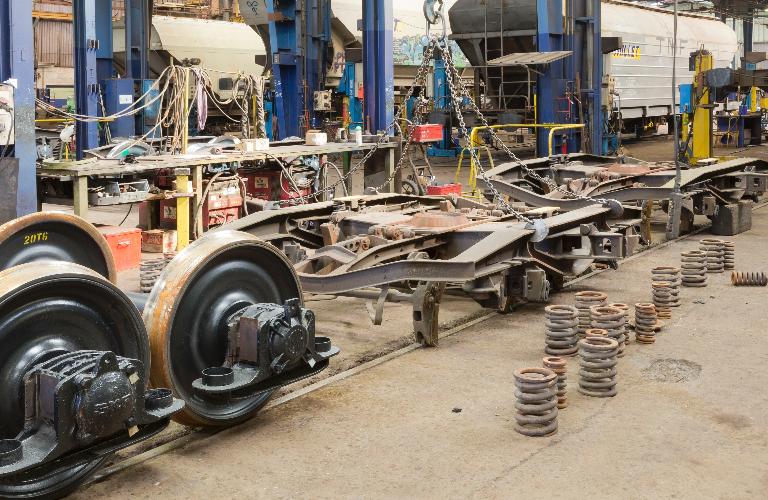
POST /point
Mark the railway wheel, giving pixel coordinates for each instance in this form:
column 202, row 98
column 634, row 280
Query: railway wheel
column 54, row 236
column 189, row 312
column 48, row 309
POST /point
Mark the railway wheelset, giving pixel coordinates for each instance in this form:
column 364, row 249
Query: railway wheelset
column 87, row 369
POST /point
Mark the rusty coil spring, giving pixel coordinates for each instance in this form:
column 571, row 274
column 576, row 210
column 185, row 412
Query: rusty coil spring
column 585, row 300
column 729, row 257
column 671, row 275
column 560, row 367
column 662, row 297
column 598, row 359
column 561, row 330
column 694, row 268
column 596, row 332
column 149, row 271
column 613, row 321
column 749, row 279
column 625, row 309
column 536, row 405
column 715, row 251
column 645, row 323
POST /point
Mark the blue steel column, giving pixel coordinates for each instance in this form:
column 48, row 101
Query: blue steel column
column 549, row 84
column 283, row 37
column 104, row 54
column 378, row 64
column 747, row 29
column 86, row 84
column 138, row 25
column 17, row 63
column 597, row 78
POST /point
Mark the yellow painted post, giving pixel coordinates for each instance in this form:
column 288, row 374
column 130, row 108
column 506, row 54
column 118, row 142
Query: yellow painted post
column 702, row 115
column 182, row 176
column 753, row 100
column 182, row 207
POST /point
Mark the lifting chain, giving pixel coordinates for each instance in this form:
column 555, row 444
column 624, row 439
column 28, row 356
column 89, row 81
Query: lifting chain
column 460, row 92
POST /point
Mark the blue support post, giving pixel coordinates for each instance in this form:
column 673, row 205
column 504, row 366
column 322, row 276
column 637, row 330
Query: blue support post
column 284, row 34
column 378, row 64
column 17, row 66
column 86, row 84
column 550, row 85
column 138, row 24
column 104, row 53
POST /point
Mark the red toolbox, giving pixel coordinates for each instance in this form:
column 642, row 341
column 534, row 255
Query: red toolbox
column 429, row 132
column 125, row 244
column 444, row 189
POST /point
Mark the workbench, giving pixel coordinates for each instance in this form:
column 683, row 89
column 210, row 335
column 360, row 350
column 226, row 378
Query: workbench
column 378, row 169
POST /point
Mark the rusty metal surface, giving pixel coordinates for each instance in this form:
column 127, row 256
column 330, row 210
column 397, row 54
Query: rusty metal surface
column 536, row 393
column 598, row 360
column 170, row 292
column 33, row 228
column 739, row 278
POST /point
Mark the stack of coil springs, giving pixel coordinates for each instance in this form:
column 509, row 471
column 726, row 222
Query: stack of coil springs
column 624, row 308
column 729, row 257
column 584, row 301
column 536, row 405
column 715, row 250
column 613, row 321
column 662, row 299
column 560, row 367
column 645, row 323
column 749, row 279
column 150, row 270
column 671, row 275
column 694, row 268
column 560, row 326
column 598, row 359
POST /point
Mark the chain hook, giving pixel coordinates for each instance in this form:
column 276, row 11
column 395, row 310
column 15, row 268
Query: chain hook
column 434, row 12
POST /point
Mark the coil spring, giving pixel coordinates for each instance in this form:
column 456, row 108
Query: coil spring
column 694, row 268
column 560, row 367
column 536, row 404
column 715, row 251
column 585, row 300
column 729, row 257
column 613, row 321
column 596, row 332
column 149, row 271
column 561, row 330
column 625, row 309
column 671, row 275
column 662, row 298
column 749, row 279
column 645, row 323
column 598, row 359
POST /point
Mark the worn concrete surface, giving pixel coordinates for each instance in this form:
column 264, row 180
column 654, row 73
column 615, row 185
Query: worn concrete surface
column 689, row 420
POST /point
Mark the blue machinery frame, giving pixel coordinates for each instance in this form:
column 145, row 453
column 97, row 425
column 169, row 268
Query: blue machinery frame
column 555, row 86
column 17, row 65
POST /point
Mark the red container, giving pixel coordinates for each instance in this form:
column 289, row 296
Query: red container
column 429, row 132
column 125, row 244
column 443, row 189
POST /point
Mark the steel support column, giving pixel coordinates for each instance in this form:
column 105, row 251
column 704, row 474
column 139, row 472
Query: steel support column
column 747, row 29
column 86, row 82
column 378, row 65
column 104, row 52
column 284, row 34
column 17, row 67
column 138, row 26
column 550, row 85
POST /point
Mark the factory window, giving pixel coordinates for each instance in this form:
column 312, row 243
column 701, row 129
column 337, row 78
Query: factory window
column 226, row 84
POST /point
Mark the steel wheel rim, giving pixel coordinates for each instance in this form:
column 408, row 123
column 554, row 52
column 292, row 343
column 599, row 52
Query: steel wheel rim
column 88, row 313
column 67, row 238
column 187, row 310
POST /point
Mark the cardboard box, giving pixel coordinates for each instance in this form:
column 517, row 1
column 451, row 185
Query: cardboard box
column 159, row 241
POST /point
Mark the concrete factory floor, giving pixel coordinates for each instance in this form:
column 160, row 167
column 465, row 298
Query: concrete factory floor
column 689, row 420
